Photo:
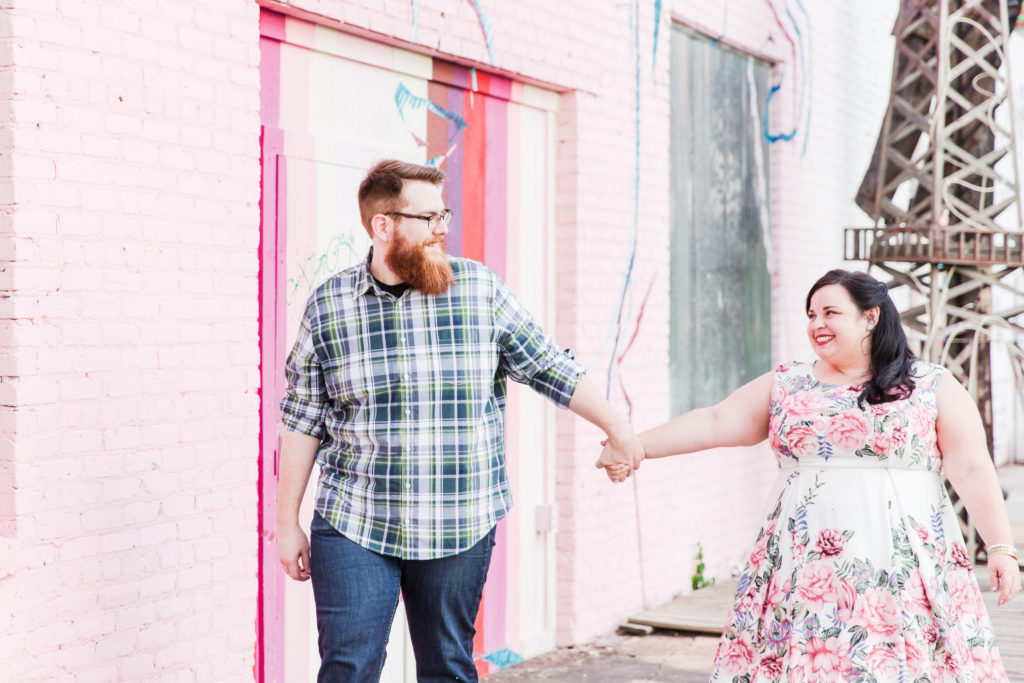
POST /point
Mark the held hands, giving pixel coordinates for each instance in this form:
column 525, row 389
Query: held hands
column 293, row 551
column 1004, row 576
column 623, row 452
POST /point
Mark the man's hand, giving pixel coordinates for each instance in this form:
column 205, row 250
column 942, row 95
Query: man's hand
column 623, row 452
column 293, row 551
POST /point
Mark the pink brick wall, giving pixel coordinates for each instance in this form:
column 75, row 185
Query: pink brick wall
column 129, row 183
column 129, row 389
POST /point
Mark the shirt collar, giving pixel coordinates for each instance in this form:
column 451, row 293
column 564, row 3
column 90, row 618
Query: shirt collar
column 364, row 280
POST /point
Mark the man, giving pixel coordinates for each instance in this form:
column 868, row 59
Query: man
column 396, row 387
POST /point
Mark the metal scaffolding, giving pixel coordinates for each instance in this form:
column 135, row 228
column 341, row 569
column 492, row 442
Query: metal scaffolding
column 943, row 171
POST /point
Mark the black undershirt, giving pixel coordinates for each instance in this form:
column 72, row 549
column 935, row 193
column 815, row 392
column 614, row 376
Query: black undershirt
column 394, row 290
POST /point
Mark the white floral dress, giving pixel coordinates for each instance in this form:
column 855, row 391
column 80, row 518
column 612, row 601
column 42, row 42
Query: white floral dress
column 860, row 572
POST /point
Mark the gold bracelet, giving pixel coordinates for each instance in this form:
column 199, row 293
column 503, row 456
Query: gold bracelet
column 1002, row 546
column 1002, row 549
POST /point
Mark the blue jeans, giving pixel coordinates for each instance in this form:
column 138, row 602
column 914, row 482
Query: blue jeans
column 356, row 593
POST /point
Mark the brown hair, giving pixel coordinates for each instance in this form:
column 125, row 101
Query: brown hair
column 381, row 189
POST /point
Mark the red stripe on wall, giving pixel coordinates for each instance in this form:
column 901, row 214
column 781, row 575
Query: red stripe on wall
column 474, row 175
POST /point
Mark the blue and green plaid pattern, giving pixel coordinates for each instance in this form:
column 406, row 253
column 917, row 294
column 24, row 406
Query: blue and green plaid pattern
column 407, row 396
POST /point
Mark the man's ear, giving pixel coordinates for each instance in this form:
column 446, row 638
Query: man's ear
column 382, row 227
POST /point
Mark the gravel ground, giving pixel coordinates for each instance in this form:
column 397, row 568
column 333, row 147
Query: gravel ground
column 661, row 656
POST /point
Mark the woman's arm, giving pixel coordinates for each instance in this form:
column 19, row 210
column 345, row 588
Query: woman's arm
column 969, row 468
column 739, row 420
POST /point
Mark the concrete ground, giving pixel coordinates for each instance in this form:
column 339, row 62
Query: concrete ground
column 661, row 656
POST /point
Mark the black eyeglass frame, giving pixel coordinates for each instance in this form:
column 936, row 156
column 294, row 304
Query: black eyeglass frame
column 433, row 220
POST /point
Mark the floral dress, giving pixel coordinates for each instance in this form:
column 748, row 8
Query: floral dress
column 860, row 572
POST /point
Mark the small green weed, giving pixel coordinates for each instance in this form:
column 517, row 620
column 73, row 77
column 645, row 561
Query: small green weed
column 699, row 580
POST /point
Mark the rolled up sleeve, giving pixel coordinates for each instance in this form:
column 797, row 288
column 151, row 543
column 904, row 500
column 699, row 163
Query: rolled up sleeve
column 530, row 356
column 306, row 403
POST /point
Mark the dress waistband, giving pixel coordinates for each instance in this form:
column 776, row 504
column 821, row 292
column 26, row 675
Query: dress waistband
column 790, row 465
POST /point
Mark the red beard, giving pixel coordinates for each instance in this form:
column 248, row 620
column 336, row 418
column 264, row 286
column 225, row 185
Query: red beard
column 414, row 266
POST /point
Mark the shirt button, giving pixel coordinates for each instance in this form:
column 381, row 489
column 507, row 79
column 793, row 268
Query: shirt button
column 403, row 340
column 408, row 412
column 405, row 376
column 408, row 484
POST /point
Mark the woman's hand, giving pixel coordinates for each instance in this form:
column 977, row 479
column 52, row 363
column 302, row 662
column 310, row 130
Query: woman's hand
column 618, row 472
column 611, row 459
column 1004, row 576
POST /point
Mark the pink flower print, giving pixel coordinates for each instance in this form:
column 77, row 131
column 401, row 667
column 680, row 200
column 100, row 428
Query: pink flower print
column 778, row 395
column 986, row 667
column 830, row 543
column 915, row 659
column 849, row 430
column 776, row 592
column 816, row 584
column 879, row 613
column 962, row 594
column 920, row 421
column 771, row 668
column 784, row 367
column 774, row 440
column 922, row 532
column 846, row 599
column 759, row 552
column 889, row 441
column 802, row 441
column 883, row 664
column 824, row 660
column 804, row 404
column 736, row 655
column 745, row 605
column 916, row 592
column 959, row 557
column 931, row 633
column 879, row 410
column 958, row 653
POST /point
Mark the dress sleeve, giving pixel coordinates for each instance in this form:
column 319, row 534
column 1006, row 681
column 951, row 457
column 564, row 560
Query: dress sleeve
column 528, row 355
column 306, row 402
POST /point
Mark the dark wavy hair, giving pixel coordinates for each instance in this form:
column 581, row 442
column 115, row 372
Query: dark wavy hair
column 892, row 361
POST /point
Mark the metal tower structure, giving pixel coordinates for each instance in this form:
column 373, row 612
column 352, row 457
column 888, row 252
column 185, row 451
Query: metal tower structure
column 943, row 171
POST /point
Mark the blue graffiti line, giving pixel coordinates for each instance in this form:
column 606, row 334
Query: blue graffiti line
column 801, row 63
column 406, row 100
column 657, row 30
column 804, row 73
column 485, row 26
column 785, row 137
column 415, row 20
column 808, row 74
column 634, row 11
column 503, row 658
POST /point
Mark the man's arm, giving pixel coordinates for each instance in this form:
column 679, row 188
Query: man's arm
column 623, row 446
column 531, row 357
column 298, row 453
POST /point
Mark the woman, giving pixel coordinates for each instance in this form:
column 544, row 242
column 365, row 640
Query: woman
column 860, row 571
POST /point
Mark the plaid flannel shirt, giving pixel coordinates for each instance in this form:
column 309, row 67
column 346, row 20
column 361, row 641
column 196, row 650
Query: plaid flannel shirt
column 407, row 396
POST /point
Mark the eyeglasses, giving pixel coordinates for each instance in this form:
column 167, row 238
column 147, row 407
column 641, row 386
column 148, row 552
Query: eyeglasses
column 433, row 220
